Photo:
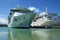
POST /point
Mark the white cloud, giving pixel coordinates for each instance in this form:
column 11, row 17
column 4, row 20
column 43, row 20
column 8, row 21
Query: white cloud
column 3, row 20
column 34, row 9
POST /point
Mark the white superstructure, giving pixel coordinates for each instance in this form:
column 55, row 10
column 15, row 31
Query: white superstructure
column 45, row 19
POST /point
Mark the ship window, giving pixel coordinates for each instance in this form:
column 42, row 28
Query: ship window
column 15, row 19
column 24, row 17
column 34, row 20
column 8, row 18
column 10, row 13
column 49, row 17
column 20, row 23
column 55, row 18
column 40, row 16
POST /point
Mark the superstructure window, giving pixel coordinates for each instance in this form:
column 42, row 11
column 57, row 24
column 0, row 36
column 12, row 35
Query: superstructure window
column 41, row 17
column 55, row 18
column 34, row 20
column 50, row 18
column 21, row 24
column 45, row 15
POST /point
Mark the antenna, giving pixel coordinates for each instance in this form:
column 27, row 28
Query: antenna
column 18, row 6
column 46, row 9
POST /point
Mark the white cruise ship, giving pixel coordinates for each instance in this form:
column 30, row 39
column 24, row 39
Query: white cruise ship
column 46, row 19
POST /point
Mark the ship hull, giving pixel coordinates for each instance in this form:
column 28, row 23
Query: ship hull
column 22, row 20
column 46, row 23
column 52, row 23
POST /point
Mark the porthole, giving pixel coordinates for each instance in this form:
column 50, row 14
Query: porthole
column 24, row 17
column 20, row 23
column 15, row 19
column 36, row 18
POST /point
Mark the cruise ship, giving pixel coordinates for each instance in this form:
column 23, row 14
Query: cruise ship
column 20, row 17
column 46, row 19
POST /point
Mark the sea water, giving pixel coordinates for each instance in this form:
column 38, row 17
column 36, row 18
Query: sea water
column 34, row 34
column 3, row 33
column 29, row 34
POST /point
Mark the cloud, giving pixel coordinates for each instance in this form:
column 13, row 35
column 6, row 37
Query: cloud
column 3, row 20
column 34, row 9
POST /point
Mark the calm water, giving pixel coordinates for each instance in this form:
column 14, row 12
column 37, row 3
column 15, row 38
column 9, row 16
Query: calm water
column 34, row 34
column 3, row 33
column 29, row 34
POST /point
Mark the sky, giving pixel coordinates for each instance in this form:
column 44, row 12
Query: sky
column 6, row 5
